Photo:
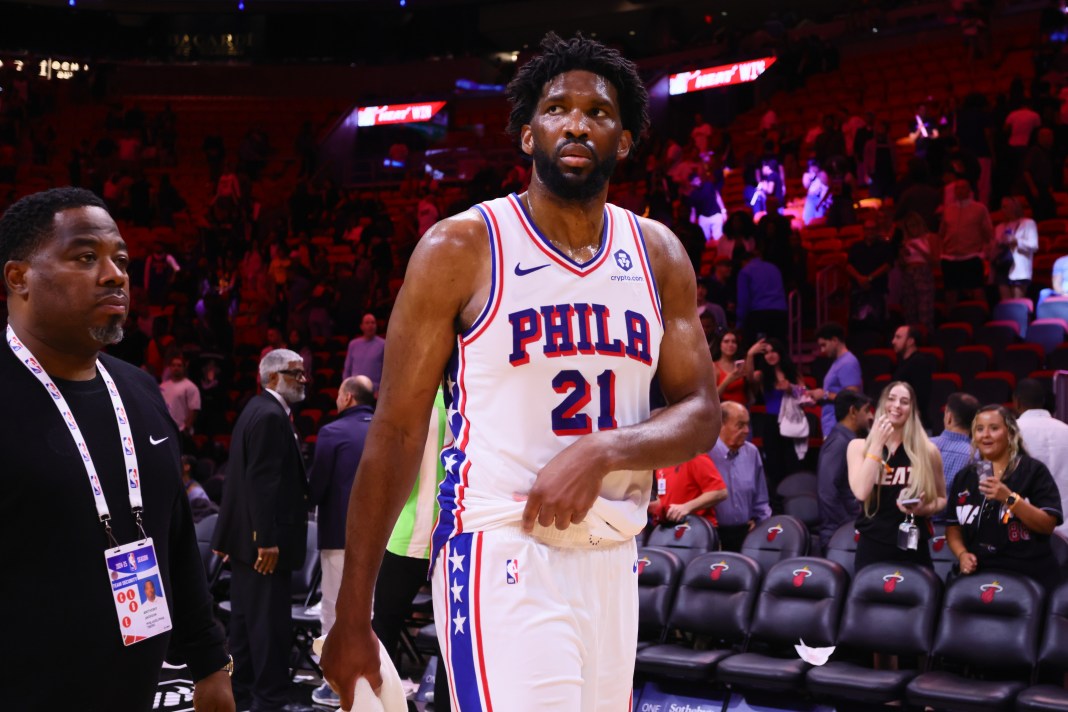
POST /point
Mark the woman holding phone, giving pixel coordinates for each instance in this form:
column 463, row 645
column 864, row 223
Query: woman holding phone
column 897, row 473
column 730, row 371
column 774, row 376
column 1005, row 506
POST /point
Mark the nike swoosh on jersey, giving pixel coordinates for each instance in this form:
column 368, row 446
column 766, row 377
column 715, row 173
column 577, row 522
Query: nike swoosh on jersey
column 157, row 442
column 519, row 271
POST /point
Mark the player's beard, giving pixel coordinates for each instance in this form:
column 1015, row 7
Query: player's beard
column 107, row 335
column 573, row 186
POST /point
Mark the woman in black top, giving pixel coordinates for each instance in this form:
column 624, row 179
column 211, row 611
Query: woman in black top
column 897, row 473
column 1005, row 506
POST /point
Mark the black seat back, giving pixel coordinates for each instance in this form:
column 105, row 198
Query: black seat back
column 891, row 608
column 205, row 528
column 658, row 578
column 941, row 555
column 801, row 598
column 776, row 538
column 305, row 580
column 1054, row 650
column 992, row 621
column 797, row 483
column 688, row 539
column 842, row 548
column 716, row 596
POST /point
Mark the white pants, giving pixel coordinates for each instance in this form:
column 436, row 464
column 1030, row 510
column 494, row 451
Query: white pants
column 525, row 626
column 711, row 225
column 332, row 562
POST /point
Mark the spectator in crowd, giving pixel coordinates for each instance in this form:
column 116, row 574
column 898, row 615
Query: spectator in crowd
column 1005, row 506
column 160, row 271
column 741, row 468
column 840, row 210
column 701, row 133
column 955, row 442
column 966, row 238
column 897, row 473
column 1059, row 280
column 181, row 396
column 1045, row 437
column 1017, row 240
column 919, row 195
column 817, row 192
column 770, row 182
column 738, row 230
column 337, row 453
column 917, row 279
column 200, row 504
column 262, row 527
column 868, row 265
column 1020, row 125
column 880, row 159
column 721, row 288
column 761, row 306
column 836, row 501
column 365, row 352
column 844, row 373
column 693, row 487
column 705, row 207
column 913, row 367
column 704, row 306
column 775, row 379
column 1038, row 179
column 730, row 370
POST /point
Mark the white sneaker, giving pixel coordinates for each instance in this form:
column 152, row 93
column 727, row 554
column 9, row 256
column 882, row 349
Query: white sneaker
column 323, row 695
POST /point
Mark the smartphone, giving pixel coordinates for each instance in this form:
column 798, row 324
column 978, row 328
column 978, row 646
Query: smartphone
column 909, row 502
column 739, row 363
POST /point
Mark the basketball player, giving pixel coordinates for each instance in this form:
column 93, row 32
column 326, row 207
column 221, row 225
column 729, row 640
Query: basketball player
column 550, row 313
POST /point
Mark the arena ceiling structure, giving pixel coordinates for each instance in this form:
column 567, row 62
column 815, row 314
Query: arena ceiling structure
column 386, row 30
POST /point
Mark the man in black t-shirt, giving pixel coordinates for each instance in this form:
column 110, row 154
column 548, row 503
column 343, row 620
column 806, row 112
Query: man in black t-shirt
column 913, row 367
column 64, row 265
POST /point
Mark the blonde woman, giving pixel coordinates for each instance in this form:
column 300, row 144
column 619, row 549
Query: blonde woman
column 897, row 473
column 1005, row 506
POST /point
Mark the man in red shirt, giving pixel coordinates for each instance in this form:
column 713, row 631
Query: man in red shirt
column 694, row 487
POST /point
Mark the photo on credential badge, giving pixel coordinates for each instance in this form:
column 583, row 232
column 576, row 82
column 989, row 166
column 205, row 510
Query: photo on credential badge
column 151, row 590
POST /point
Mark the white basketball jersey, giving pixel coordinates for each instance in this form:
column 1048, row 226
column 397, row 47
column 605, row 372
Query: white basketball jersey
column 560, row 350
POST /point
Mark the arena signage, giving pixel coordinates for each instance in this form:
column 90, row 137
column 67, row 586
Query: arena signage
column 398, row 113
column 721, row 76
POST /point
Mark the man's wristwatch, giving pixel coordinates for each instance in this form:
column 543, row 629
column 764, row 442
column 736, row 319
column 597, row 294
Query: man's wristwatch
column 229, row 666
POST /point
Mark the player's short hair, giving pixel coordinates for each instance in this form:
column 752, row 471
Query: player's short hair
column 28, row 222
column 558, row 56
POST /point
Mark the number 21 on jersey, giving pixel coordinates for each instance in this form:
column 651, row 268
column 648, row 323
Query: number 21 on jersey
column 568, row 417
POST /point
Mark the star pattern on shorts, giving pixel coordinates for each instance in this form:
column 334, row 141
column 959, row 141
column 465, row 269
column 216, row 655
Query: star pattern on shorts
column 458, row 622
column 457, row 561
column 457, row 589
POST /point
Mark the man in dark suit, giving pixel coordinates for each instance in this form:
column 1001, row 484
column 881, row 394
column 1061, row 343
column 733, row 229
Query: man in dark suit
column 338, row 450
column 262, row 526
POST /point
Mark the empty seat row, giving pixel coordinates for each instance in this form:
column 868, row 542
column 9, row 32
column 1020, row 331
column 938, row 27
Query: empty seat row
column 982, row 645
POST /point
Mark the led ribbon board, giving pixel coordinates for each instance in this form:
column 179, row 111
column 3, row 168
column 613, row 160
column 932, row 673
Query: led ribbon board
column 721, row 76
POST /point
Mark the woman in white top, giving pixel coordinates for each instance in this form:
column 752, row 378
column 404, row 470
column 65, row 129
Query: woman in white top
column 817, row 185
column 1019, row 235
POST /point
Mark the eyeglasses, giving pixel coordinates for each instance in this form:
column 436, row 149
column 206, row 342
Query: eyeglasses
column 297, row 373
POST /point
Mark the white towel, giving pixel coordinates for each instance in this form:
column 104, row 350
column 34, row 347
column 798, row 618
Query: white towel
column 389, row 699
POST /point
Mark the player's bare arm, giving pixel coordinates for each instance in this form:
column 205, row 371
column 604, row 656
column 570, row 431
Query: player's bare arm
column 446, row 285
column 567, row 486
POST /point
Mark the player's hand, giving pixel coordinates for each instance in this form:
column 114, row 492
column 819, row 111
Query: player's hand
column 266, row 560
column 566, row 487
column 214, row 694
column 351, row 651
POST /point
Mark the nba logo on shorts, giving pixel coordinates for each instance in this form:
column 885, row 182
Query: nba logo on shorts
column 511, row 570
